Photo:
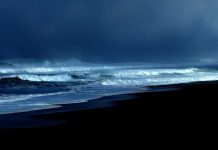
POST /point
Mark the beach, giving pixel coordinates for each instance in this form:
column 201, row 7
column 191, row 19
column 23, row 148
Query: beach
column 163, row 109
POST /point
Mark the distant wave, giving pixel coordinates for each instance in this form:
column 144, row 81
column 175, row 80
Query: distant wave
column 121, row 75
column 152, row 72
column 93, row 75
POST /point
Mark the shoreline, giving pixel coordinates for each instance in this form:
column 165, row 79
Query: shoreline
column 184, row 102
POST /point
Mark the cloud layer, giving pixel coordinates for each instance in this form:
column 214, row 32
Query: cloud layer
column 115, row 30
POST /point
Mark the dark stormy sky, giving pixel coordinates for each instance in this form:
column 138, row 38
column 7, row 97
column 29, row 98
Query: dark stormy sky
column 109, row 30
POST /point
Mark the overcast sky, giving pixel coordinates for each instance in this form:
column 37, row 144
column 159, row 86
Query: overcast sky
column 109, row 30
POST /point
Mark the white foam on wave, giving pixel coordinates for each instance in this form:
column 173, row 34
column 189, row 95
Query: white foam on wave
column 147, row 81
column 151, row 72
column 46, row 78
column 53, row 70
column 59, row 67
column 14, row 98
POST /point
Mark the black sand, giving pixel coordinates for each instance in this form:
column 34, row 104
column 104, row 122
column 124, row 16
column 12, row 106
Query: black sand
column 173, row 109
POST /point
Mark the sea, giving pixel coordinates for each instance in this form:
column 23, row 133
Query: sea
column 28, row 85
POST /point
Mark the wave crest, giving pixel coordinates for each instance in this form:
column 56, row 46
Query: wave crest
column 152, row 72
column 46, row 78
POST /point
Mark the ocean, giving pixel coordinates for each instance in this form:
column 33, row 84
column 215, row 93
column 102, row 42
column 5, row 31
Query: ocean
column 28, row 85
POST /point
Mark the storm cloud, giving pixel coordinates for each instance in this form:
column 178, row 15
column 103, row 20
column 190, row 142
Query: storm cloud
column 109, row 30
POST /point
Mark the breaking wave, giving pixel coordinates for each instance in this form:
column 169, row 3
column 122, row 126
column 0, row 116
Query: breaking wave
column 46, row 78
column 30, row 83
column 152, row 72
